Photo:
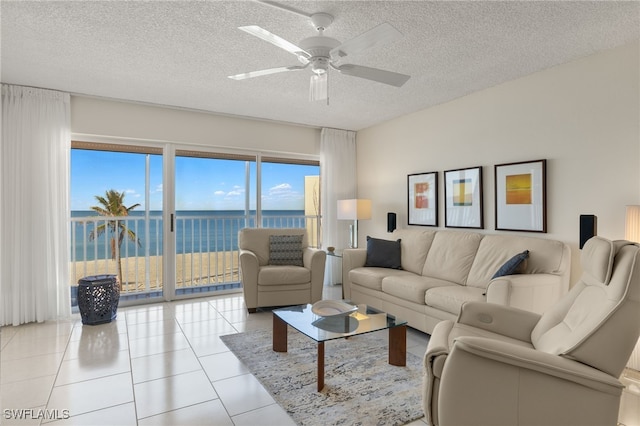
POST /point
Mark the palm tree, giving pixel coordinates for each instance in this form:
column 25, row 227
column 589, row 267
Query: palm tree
column 112, row 204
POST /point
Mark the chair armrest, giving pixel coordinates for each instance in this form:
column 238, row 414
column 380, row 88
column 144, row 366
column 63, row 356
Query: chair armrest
column 433, row 361
column 538, row 361
column 311, row 255
column 351, row 259
column 504, row 320
column 249, row 267
column 438, row 341
column 314, row 259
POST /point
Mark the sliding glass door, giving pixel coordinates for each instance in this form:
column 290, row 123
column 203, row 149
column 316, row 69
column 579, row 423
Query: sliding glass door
column 214, row 198
column 117, row 217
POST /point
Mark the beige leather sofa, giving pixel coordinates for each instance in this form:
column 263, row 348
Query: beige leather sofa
column 266, row 284
column 497, row 365
column 442, row 269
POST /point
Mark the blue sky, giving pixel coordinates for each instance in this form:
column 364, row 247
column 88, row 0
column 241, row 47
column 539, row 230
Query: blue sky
column 201, row 184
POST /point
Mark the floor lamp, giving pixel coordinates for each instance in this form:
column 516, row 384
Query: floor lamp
column 354, row 209
column 632, row 233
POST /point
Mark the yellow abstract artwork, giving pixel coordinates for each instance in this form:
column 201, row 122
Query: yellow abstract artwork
column 518, row 189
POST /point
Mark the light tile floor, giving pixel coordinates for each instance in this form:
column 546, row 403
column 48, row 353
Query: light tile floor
column 158, row 364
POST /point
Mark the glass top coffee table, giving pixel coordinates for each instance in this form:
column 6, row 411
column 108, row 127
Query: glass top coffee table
column 321, row 329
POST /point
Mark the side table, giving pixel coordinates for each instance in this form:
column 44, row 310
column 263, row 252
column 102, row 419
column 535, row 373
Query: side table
column 337, row 254
column 98, row 297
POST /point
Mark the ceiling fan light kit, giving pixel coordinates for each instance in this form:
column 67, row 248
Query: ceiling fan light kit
column 320, row 53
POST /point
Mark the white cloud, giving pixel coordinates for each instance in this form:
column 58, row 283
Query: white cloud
column 283, row 191
column 219, row 193
column 283, row 187
column 131, row 193
column 236, row 192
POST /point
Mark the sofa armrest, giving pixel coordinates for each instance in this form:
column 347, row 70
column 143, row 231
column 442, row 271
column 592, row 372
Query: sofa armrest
column 504, row 320
column 314, row 259
column 249, row 267
column 531, row 292
column 351, row 259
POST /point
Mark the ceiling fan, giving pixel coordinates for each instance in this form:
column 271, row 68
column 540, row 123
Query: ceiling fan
column 321, row 53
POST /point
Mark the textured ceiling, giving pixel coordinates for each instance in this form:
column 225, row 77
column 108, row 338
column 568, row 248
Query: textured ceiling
column 179, row 53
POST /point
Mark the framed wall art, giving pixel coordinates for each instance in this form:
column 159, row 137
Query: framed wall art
column 423, row 199
column 521, row 203
column 463, row 198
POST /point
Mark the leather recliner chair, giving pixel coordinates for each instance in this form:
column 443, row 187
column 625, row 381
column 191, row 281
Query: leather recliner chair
column 498, row 365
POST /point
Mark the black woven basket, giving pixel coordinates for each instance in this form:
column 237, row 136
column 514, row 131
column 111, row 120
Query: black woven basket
column 98, row 297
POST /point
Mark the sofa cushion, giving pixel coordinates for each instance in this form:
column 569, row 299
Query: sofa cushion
column 451, row 298
column 451, row 256
column 411, row 288
column 414, row 245
column 383, row 253
column 545, row 256
column 515, row 265
column 372, row 277
column 285, row 274
column 285, row 250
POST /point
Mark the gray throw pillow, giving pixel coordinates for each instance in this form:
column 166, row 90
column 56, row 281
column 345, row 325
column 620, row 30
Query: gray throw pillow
column 383, row 253
column 285, row 250
column 515, row 265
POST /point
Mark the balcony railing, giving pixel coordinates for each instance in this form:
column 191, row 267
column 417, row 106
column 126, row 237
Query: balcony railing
column 206, row 249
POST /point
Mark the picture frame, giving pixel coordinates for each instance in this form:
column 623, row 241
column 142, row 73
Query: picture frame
column 463, row 198
column 422, row 189
column 521, row 196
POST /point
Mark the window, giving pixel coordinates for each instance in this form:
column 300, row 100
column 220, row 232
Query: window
column 213, row 195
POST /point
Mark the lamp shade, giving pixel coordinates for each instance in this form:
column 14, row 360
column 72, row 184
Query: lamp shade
column 354, row 209
column 632, row 224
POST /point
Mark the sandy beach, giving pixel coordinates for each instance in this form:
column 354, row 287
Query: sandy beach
column 192, row 269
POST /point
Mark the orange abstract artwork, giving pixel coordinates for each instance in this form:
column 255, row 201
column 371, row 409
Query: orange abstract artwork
column 421, row 198
column 518, row 189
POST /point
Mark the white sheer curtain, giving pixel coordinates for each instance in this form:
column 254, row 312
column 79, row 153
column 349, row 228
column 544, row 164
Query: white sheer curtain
column 338, row 181
column 34, row 208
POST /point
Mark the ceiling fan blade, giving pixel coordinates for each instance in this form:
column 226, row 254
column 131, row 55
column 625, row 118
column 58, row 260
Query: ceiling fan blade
column 383, row 32
column 275, row 40
column 260, row 73
column 375, row 74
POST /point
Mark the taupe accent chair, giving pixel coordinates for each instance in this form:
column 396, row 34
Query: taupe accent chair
column 498, row 365
column 267, row 285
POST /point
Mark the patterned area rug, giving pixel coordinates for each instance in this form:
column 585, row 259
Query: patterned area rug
column 361, row 388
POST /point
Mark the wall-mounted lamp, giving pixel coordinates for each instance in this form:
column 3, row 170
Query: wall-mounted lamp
column 354, row 209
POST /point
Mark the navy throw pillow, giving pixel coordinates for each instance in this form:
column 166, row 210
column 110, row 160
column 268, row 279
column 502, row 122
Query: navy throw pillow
column 512, row 265
column 383, row 253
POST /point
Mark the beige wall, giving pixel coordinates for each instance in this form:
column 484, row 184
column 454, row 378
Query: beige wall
column 113, row 119
column 583, row 117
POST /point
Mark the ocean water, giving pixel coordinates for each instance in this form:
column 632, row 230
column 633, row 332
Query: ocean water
column 196, row 231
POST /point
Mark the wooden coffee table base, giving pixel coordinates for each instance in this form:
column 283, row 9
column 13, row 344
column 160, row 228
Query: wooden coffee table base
column 397, row 346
